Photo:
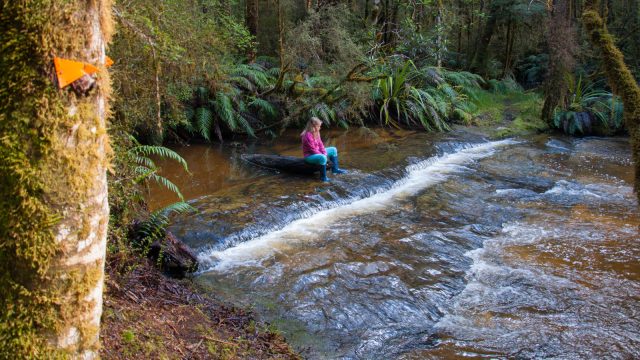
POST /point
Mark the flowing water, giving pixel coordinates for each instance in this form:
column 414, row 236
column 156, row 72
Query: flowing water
column 432, row 246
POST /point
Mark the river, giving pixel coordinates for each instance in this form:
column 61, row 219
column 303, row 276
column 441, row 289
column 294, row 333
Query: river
column 432, row 246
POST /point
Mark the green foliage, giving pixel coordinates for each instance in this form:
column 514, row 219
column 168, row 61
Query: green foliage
column 531, row 70
column 128, row 336
column 327, row 40
column 36, row 190
column 425, row 98
column 162, row 51
column 145, row 169
column 155, row 227
column 504, row 86
column 235, row 104
column 134, row 168
column 587, row 108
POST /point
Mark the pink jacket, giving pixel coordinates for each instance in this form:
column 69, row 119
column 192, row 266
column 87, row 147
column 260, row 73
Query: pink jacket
column 311, row 146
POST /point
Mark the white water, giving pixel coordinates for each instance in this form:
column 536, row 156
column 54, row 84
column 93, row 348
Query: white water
column 419, row 177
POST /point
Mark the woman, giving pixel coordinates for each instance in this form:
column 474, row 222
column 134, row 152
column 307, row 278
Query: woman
column 314, row 151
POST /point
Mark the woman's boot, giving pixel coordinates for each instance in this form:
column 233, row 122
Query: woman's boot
column 323, row 173
column 334, row 168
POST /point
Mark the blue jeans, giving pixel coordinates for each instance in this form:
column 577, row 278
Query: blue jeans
column 320, row 159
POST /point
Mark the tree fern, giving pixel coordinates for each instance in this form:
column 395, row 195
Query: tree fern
column 585, row 106
column 254, row 73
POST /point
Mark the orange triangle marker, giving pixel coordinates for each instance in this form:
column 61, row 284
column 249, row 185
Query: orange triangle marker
column 108, row 61
column 68, row 71
column 90, row 69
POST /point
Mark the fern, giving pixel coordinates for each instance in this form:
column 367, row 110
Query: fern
column 201, row 94
column 586, row 105
column 243, row 82
column 144, row 161
column 166, row 183
column 155, row 227
column 225, row 111
column 324, row 112
column 204, row 121
column 464, row 79
column 254, row 73
column 146, row 169
column 244, row 124
column 161, row 151
column 264, row 107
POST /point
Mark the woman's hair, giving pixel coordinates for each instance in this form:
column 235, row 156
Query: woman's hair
column 309, row 128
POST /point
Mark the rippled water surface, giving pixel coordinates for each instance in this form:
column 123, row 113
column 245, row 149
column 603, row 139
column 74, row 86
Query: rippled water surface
column 432, row 246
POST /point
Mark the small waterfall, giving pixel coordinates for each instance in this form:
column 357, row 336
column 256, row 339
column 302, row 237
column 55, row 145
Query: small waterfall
column 308, row 221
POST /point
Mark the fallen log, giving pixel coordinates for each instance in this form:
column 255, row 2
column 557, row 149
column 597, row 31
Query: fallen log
column 174, row 257
column 289, row 164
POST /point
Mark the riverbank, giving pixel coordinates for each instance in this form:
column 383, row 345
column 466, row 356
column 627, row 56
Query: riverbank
column 150, row 316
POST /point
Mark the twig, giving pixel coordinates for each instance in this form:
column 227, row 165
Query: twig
column 220, row 341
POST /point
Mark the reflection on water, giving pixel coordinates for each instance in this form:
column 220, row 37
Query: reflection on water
column 433, row 246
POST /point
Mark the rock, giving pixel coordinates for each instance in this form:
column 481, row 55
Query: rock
column 174, row 257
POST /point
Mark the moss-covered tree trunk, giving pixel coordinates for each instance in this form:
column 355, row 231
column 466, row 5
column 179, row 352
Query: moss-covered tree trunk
column 54, row 152
column 620, row 79
column 561, row 40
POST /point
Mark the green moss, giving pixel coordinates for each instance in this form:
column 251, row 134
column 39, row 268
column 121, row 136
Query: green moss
column 620, row 79
column 35, row 186
column 128, row 336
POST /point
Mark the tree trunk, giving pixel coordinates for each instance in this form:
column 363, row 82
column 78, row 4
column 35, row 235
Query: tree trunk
column 251, row 19
column 53, row 160
column 561, row 40
column 620, row 79
column 440, row 47
column 479, row 64
column 158, row 136
column 281, row 32
column 508, row 49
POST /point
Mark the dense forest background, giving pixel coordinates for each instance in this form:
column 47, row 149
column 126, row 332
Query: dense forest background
column 209, row 70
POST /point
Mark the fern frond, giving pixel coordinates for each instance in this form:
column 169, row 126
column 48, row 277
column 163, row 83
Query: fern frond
column 264, row 106
column 204, row 120
column 224, row 109
column 243, row 82
column 144, row 161
column 244, row 124
column 155, row 227
column 161, row 151
column 179, row 207
column 432, row 75
column 255, row 73
column 167, row 184
column 142, row 173
column 201, row 94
